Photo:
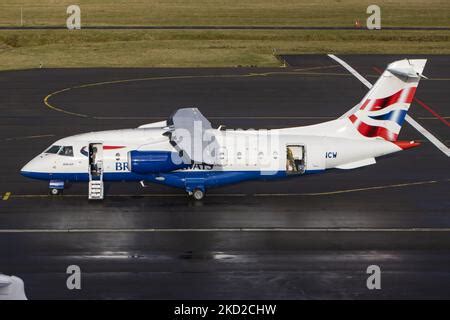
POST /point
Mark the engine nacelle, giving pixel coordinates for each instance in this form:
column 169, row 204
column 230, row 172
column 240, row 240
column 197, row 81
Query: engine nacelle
column 144, row 162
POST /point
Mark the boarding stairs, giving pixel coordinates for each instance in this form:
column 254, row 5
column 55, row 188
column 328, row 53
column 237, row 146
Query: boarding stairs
column 96, row 187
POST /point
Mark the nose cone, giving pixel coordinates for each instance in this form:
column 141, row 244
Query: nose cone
column 30, row 169
column 26, row 170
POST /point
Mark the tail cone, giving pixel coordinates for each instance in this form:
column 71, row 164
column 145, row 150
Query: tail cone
column 406, row 144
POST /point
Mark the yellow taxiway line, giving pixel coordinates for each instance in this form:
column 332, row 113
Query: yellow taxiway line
column 6, row 196
column 253, row 74
column 350, row 190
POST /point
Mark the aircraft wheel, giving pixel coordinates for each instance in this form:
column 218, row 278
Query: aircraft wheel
column 55, row 192
column 198, row 194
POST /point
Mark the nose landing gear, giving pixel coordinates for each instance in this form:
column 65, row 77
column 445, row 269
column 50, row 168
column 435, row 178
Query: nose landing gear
column 56, row 187
column 55, row 192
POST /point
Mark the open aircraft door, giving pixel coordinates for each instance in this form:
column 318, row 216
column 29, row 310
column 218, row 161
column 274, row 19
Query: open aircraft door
column 96, row 189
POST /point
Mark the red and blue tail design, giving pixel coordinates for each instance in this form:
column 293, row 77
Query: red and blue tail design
column 379, row 116
column 383, row 110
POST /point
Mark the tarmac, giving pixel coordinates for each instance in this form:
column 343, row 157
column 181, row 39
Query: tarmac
column 311, row 237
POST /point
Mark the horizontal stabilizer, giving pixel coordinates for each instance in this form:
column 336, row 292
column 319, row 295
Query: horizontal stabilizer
column 408, row 69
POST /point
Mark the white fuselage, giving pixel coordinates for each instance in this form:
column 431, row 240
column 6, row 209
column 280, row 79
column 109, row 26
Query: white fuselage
column 262, row 153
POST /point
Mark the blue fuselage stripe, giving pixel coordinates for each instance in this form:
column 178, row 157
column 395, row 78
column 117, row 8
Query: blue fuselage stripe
column 176, row 179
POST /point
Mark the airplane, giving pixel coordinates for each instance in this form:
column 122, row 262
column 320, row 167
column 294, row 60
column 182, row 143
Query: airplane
column 186, row 152
column 11, row 288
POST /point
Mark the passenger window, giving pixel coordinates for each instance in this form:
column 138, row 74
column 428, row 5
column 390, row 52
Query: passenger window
column 66, row 151
column 53, row 149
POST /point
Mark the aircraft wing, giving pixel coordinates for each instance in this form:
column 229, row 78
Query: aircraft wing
column 159, row 124
column 191, row 133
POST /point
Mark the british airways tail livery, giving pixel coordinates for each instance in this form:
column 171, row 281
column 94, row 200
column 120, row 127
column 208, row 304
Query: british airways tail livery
column 186, row 152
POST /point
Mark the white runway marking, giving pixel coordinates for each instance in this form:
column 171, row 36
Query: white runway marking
column 408, row 118
column 168, row 230
column 428, row 135
column 351, row 70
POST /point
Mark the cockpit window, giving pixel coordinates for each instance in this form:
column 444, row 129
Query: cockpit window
column 66, row 151
column 53, row 149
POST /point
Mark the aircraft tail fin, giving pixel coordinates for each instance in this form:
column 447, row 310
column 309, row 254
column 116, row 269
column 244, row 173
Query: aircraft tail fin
column 382, row 111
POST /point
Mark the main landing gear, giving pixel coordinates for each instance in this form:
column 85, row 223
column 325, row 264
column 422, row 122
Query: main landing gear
column 197, row 194
column 195, row 187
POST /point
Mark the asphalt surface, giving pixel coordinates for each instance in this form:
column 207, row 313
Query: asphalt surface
column 311, row 237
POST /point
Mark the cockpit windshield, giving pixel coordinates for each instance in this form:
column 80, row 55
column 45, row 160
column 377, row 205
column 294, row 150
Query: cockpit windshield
column 66, row 151
column 53, row 149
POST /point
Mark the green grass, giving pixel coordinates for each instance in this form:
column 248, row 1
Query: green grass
column 89, row 48
column 226, row 12
column 190, row 48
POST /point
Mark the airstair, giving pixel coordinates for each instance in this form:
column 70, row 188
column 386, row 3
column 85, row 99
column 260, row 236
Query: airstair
column 96, row 187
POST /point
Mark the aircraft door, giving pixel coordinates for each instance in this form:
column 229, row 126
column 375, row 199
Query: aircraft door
column 96, row 159
column 295, row 159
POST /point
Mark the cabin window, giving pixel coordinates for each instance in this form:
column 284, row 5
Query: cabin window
column 66, row 151
column 53, row 149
